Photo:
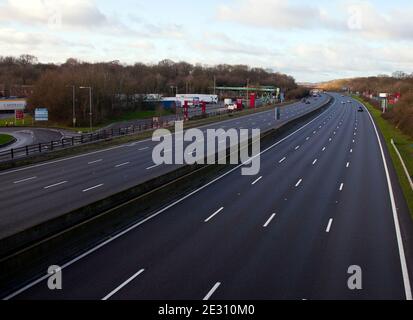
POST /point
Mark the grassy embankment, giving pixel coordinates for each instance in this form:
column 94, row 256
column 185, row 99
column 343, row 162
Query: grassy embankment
column 5, row 138
column 405, row 145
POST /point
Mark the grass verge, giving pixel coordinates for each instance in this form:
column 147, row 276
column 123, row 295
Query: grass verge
column 405, row 145
column 5, row 138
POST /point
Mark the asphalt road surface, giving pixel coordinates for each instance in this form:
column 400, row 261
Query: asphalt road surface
column 321, row 204
column 29, row 136
column 32, row 195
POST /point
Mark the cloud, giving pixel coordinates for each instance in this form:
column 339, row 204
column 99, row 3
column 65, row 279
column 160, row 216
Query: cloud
column 223, row 44
column 278, row 14
column 360, row 18
column 371, row 21
column 54, row 13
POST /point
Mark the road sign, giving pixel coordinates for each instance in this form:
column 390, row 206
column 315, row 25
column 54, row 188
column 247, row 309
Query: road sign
column 41, row 114
column 19, row 114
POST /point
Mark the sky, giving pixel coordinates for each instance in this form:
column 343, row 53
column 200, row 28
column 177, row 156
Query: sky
column 311, row 40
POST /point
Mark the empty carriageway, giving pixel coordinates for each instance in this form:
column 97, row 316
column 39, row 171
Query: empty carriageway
column 193, row 235
column 35, row 194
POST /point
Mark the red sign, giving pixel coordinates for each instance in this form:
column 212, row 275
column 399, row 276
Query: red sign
column 394, row 98
column 203, row 107
column 19, row 114
column 239, row 104
column 186, row 109
column 252, row 100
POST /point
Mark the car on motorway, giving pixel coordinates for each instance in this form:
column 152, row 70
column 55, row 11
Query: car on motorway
column 361, row 109
column 349, row 101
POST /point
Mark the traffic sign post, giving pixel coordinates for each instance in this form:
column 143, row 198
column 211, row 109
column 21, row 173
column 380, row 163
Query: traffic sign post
column 384, row 101
column 18, row 115
column 41, row 114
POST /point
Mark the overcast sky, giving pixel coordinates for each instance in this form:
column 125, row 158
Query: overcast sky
column 311, row 40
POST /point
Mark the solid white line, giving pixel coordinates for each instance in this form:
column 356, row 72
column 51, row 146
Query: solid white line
column 110, row 295
column 342, row 187
column 315, row 161
column 138, row 224
column 213, row 215
column 96, row 161
column 405, row 271
column 93, row 188
column 256, row 181
column 155, row 166
column 143, row 149
column 24, row 180
column 55, row 185
column 282, row 160
column 122, row 164
column 298, row 183
column 269, row 220
column 210, row 293
column 330, row 223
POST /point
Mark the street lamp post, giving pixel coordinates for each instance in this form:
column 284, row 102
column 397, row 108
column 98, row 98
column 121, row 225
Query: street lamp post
column 173, row 88
column 74, row 104
column 90, row 107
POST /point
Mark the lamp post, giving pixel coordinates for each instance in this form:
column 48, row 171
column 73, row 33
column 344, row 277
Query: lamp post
column 90, row 107
column 174, row 87
column 74, row 104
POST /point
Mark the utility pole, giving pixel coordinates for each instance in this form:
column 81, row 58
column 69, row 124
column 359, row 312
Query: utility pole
column 174, row 87
column 248, row 88
column 74, row 104
column 215, row 85
column 90, row 107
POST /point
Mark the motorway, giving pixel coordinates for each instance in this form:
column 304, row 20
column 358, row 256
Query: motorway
column 32, row 195
column 322, row 202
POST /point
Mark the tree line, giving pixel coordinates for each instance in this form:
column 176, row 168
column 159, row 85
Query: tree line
column 116, row 85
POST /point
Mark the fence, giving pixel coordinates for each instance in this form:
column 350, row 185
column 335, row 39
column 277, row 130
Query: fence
column 30, row 150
